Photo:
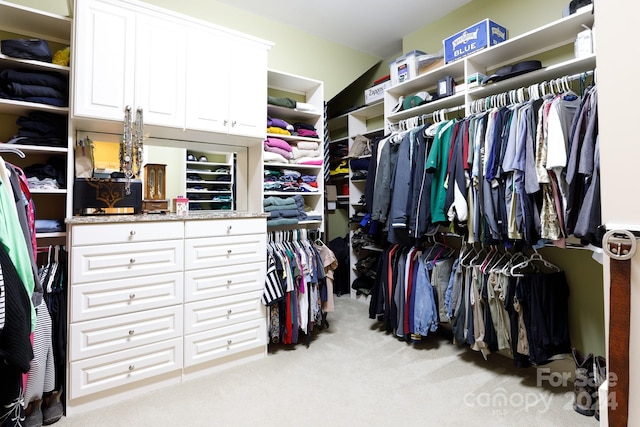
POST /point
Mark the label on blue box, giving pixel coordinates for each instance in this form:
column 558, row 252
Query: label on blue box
column 479, row 36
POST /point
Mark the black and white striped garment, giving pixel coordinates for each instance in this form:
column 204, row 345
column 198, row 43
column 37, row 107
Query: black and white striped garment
column 273, row 291
column 42, row 375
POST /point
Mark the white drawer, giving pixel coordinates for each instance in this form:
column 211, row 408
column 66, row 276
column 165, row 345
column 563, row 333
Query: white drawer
column 109, row 297
column 220, row 251
column 223, row 281
column 108, row 262
column 121, row 368
column 218, row 312
column 225, row 227
column 214, row 344
column 127, row 232
column 116, row 333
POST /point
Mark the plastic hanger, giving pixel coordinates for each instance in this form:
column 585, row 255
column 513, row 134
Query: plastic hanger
column 9, row 149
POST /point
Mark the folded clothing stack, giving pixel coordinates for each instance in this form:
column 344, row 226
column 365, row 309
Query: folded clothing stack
column 277, row 146
column 278, row 126
column 282, row 210
column 34, row 86
column 40, row 128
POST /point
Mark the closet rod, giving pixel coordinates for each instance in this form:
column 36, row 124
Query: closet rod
column 513, row 95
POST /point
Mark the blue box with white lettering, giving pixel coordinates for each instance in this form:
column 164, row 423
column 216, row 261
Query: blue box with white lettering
column 479, row 36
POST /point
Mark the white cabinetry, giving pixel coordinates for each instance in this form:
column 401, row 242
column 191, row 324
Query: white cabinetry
column 183, row 73
column 224, row 281
column 126, row 317
column 153, row 302
column 23, row 22
column 129, row 56
column 105, row 57
column 226, row 83
column 311, row 92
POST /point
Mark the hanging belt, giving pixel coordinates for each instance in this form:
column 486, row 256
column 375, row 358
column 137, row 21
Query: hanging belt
column 620, row 246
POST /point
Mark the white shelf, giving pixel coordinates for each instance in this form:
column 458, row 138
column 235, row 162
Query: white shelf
column 542, row 39
column 293, row 138
column 39, row 148
column 51, row 235
column 52, row 191
column 29, row 64
column 22, row 108
column 34, row 23
column 442, row 103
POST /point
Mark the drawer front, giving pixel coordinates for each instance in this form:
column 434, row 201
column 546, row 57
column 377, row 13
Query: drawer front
column 128, row 232
column 225, row 227
column 108, row 262
column 109, row 297
column 116, row 333
column 112, row 370
column 218, row 312
column 220, row 251
column 223, row 281
column 214, row 344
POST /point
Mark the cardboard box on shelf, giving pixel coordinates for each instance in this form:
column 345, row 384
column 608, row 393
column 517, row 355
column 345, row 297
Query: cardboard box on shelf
column 376, row 93
column 478, row 36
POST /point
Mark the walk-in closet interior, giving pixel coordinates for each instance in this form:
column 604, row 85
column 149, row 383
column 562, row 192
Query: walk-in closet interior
column 223, row 198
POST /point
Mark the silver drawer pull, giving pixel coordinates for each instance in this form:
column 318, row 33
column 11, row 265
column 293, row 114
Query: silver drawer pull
column 228, row 283
column 229, row 342
column 132, row 261
column 131, row 367
column 229, row 312
column 233, row 123
column 131, row 332
column 229, row 228
column 228, row 251
column 132, row 296
column 132, row 233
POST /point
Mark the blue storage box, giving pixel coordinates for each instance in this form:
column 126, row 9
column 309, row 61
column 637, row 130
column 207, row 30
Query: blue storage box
column 479, row 36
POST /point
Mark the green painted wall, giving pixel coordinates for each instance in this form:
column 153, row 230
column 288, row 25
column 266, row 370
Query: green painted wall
column 518, row 16
column 295, row 51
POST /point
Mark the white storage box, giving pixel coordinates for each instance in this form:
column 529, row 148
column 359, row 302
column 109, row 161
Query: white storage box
column 376, row 93
column 405, row 67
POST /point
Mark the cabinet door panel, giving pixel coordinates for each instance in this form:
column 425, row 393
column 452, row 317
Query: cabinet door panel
column 232, row 227
column 121, row 368
column 106, row 297
column 223, row 281
column 248, row 88
column 103, row 59
column 130, row 232
column 160, row 69
column 207, row 100
column 221, row 251
column 217, row 343
column 218, row 312
column 115, row 333
column 127, row 260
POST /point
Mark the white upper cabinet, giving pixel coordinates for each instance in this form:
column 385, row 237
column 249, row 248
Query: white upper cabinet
column 226, row 83
column 185, row 74
column 160, row 69
column 103, row 59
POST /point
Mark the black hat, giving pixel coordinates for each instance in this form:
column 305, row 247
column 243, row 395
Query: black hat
column 509, row 71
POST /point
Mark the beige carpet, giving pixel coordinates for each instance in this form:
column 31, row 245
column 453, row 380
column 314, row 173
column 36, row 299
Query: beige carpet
column 354, row 374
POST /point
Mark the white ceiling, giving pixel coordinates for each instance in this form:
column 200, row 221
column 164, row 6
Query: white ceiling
column 371, row 26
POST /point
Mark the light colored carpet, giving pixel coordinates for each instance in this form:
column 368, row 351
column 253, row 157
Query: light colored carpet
column 354, row 374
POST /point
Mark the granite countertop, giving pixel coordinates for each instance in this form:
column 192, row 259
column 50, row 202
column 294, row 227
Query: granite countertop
column 102, row 219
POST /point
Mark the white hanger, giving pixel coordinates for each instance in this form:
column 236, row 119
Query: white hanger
column 9, row 149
